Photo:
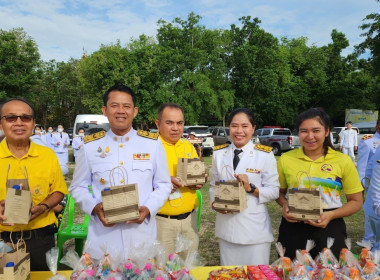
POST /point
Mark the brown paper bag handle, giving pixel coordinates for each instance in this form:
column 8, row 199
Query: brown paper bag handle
column 25, row 173
column 123, row 172
column 299, row 178
column 21, row 242
column 225, row 168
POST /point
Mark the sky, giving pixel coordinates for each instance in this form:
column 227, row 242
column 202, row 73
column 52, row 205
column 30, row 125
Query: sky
column 62, row 29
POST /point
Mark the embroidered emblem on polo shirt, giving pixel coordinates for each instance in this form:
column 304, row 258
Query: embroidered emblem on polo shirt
column 326, row 168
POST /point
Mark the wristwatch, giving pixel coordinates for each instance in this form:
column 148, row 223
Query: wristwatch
column 253, row 188
column 46, row 206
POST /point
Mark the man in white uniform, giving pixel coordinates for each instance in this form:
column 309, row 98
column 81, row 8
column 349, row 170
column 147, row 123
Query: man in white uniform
column 60, row 143
column 349, row 141
column 143, row 157
column 366, row 150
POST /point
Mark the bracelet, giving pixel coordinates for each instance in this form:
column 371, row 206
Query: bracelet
column 44, row 204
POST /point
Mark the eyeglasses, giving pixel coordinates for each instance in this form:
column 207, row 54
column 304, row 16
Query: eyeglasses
column 13, row 118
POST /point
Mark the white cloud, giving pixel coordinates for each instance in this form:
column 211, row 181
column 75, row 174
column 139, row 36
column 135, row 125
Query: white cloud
column 63, row 28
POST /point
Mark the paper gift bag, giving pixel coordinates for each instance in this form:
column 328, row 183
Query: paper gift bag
column 230, row 196
column 305, row 203
column 20, row 270
column 191, row 171
column 120, row 202
column 18, row 203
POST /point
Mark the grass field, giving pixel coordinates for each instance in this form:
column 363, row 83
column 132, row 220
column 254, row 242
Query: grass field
column 208, row 246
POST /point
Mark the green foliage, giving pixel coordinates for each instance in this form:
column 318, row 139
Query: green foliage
column 19, row 62
column 207, row 71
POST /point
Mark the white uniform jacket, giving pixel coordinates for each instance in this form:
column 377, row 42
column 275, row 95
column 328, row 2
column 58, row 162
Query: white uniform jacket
column 374, row 187
column 349, row 138
column 61, row 138
column 77, row 145
column 49, row 140
column 145, row 162
column 253, row 225
column 366, row 150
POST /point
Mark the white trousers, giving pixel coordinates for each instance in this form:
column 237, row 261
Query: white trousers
column 63, row 159
column 350, row 152
column 243, row 254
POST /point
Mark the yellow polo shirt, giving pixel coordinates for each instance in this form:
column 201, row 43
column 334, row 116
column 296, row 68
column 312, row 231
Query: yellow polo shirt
column 44, row 178
column 189, row 200
column 332, row 174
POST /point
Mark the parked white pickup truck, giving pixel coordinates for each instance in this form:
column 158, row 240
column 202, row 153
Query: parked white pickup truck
column 280, row 139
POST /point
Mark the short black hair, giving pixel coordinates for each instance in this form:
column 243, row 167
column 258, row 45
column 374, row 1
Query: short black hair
column 38, row 125
column 169, row 105
column 16, row 99
column 246, row 111
column 81, row 128
column 349, row 122
column 121, row 88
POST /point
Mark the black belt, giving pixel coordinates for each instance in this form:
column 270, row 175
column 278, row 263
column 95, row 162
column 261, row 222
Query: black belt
column 13, row 236
column 177, row 217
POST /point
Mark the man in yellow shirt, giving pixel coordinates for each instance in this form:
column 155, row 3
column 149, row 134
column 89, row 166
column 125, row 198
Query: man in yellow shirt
column 177, row 216
column 20, row 158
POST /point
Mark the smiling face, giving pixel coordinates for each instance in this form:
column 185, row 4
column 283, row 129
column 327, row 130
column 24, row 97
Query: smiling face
column 171, row 125
column 17, row 131
column 120, row 112
column 312, row 135
column 241, row 130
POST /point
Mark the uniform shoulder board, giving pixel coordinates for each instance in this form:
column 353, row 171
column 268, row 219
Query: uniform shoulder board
column 367, row 136
column 263, row 148
column 221, row 147
column 147, row 134
column 378, row 161
column 93, row 137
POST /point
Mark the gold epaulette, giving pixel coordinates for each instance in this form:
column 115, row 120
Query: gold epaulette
column 378, row 161
column 93, row 137
column 367, row 136
column 263, row 148
column 221, row 147
column 147, row 134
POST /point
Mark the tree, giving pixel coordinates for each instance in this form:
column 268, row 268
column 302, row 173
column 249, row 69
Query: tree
column 19, row 62
column 372, row 40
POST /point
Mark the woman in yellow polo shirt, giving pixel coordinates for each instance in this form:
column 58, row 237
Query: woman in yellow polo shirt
column 316, row 164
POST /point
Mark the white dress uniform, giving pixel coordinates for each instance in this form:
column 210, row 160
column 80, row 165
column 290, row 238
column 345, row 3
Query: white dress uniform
column 366, row 150
column 38, row 139
column 348, row 142
column 49, row 138
column 374, row 188
column 245, row 238
column 145, row 162
column 77, row 145
column 61, row 150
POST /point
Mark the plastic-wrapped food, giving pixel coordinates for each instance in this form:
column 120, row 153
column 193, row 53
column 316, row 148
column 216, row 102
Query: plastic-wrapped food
column 326, row 258
column 52, row 263
column 226, row 273
column 365, row 254
column 282, row 266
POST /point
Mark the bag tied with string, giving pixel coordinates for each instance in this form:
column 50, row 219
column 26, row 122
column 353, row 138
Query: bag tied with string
column 230, row 195
column 120, row 202
column 305, row 202
column 15, row 265
column 191, row 171
column 18, row 200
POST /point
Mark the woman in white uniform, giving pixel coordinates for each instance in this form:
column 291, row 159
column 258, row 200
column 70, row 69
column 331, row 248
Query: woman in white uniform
column 245, row 238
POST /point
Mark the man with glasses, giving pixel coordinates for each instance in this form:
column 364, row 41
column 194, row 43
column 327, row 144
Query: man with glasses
column 21, row 159
column 366, row 151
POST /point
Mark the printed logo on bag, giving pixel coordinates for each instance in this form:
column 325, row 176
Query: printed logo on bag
column 141, row 156
column 326, row 168
column 254, row 170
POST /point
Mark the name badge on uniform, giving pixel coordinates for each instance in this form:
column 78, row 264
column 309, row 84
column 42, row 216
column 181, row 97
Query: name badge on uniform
column 141, row 156
column 253, row 170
